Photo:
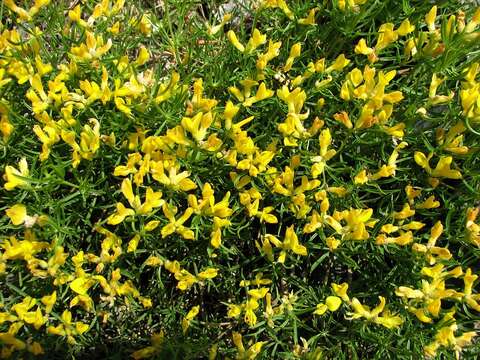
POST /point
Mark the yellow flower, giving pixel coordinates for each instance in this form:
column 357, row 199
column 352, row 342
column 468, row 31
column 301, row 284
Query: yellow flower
column 10, row 339
column 208, row 273
column 405, row 28
column 431, row 251
column 34, row 318
column 277, row 4
column 357, row 221
column 350, row 4
column 90, row 139
column 189, row 317
column 253, row 351
column 145, row 24
column 320, row 309
column 377, row 315
column 81, row 285
column 255, row 41
column 265, row 215
column 185, row 279
column 472, row 300
column 42, row 68
column 234, row 311
column 333, row 303
column 235, row 42
column 473, row 23
column 402, row 240
column 176, row 225
column 49, row 301
column 120, row 215
column 340, row 62
column 6, row 128
column 272, row 52
column 412, row 193
column 341, row 291
column 143, row 56
column 362, row 48
column 173, row 180
column 49, row 135
column 17, row 214
column 473, row 229
column 405, row 213
column 430, row 203
column 386, row 36
column 309, row 20
column 23, row 14
column 133, row 243
column 153, row 199
column 151, row 225
column 430, row 18
column 212, row 30
column 294, row 53
column 216, row 235
column 153, row 261
column 389, row 169
column 115, row 28
column 396, row 130
column 16, row 177
column 93, row 48
column 261, row 94
column 317, row 220
column 434, row 84
column 24, row 249
column 76, row 15
column 332, row 243
column 198, row 125
column 167, row 89
column 259, row 280
column 443, row 169
column 361, row 178
column 256, row 165
column 290, row 242
column 85, row 301
column 68, row 328
column 325, row 153
column 344, row 118
column 445, row 337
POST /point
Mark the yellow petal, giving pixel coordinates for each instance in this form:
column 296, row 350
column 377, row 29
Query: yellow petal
column 208, row 273
column 333, row 303
column 361, row 178
column 341, row 291
column 151, row 225
column 133, row 243
column 17, row 214
column 81, row 285
column 234, row 40
column 421, row 160
column 153, row 261
column 321, row 309
column 430, row 18
column 390, row 322
column 127, row 191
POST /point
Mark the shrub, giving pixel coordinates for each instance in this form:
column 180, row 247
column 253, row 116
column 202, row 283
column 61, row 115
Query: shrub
column 285, row 180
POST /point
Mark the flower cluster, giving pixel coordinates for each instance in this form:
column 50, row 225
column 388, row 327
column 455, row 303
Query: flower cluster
column 179, row 203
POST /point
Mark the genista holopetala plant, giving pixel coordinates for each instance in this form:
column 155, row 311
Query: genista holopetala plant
column 179, row 186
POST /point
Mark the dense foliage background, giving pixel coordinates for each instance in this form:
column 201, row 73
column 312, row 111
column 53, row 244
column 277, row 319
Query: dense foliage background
column 252, row 179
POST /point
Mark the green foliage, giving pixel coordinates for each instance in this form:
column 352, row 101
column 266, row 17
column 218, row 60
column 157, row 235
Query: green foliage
column 338, row 179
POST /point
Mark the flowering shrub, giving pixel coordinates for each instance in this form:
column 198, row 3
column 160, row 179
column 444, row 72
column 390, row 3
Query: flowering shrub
column 303, row 185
